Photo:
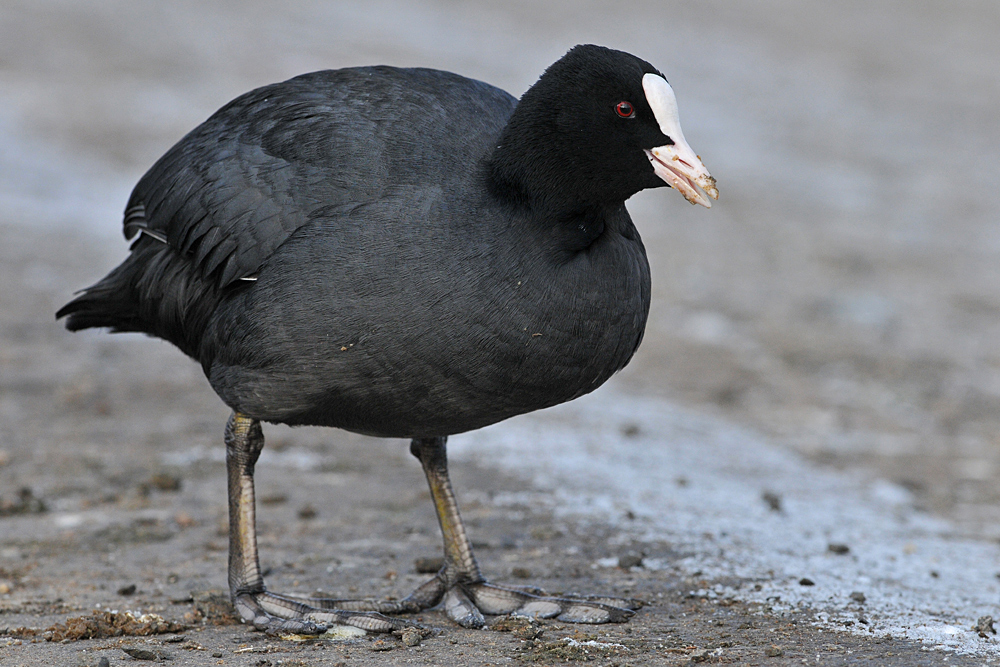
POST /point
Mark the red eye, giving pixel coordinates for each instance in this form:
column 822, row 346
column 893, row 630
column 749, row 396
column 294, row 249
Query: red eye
column 625, row 109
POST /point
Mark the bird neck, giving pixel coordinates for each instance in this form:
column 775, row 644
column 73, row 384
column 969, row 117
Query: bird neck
column 546, row 182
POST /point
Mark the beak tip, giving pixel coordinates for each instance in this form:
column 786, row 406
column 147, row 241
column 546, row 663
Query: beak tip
column 708, row 185
column 686, row 179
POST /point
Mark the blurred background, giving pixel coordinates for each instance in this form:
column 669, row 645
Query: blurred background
column 842, row 297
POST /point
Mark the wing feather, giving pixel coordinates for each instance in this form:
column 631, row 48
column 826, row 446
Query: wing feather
column 232, row 191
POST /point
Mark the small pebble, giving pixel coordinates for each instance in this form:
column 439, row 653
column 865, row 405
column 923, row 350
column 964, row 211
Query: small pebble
column 520, row 573
column 307, row 512
column 127, row 590
column 774, row 651
column 630, row 560
column 185, row 520
column 839, row 549
column 858, row 597
column 699, row 655
column 984, row 627
column 26, row 503
column 521, row 627
column 772, row 499
column 630, row 430
column 164, row 481
column 139, row 653
column 103, row 662
column 806, row 581
column 382, row 645
column 411, row 636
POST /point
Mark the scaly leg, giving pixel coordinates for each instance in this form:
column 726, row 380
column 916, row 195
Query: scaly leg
column 254, row 603
column 467, row 596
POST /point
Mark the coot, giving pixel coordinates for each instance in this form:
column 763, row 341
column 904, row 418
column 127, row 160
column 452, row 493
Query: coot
column 402, row 253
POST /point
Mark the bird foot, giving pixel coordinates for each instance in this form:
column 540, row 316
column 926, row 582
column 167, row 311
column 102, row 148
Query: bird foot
column 467, row 603
column 286, row 614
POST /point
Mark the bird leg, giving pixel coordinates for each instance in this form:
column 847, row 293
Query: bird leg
column 460, row 584
column 254, row 603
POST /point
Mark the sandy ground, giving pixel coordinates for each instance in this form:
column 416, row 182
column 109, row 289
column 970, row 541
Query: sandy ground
column 838, row 310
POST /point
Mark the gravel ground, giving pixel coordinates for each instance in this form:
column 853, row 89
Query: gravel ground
column 821, row 343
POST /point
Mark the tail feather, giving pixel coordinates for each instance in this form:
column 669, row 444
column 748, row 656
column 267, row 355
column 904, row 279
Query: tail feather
column 155, row 291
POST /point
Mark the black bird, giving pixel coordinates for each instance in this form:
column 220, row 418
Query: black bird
column 402, row 253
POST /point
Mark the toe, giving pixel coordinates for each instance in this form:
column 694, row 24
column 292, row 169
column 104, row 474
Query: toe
column 540, row 608
column 369, row 621
column 588, row 612
column 495, row 600
column 292, row 626
column 460, row 609
column 621, row 603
